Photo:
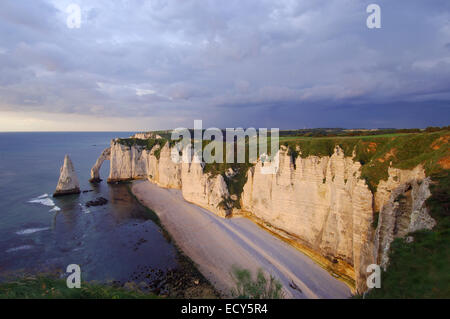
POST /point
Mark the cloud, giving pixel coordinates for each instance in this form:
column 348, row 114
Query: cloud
column 180, row 60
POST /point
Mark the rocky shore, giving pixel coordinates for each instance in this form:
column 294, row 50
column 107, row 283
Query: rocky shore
column 183, row 282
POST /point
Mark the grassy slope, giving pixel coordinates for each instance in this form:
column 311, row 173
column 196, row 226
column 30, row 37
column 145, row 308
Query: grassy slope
column 48, row 287
column 375, row 153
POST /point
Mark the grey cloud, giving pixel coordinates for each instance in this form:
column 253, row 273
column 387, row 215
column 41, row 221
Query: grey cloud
column 190, row 58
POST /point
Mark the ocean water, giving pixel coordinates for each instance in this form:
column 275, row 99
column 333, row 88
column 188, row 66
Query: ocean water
column 39, row 233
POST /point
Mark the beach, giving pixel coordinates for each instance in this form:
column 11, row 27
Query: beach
column 216, row 245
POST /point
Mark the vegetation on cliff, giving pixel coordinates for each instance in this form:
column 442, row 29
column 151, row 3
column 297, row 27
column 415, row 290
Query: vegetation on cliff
column 255, row 288
column 420, row 269
column 234, row 175
column 377, row 152
column 49, row 287
column 147, row 144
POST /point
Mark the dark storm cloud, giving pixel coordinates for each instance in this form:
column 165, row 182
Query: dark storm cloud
column 263, row 63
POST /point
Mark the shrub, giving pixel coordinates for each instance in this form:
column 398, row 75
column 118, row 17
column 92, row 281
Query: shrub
column 259, row 288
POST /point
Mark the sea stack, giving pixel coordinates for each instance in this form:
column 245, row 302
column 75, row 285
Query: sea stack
column 68, row 181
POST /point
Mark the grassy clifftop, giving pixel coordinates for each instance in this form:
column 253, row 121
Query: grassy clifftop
column 377, row 153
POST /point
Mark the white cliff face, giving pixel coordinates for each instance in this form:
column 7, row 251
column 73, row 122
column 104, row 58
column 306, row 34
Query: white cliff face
column 169, row 173
column 127, row 162
column 204, row 190
column 68, row 181
column 401, row 204
column 315, row 201
column 326, row 206
column 320, row 202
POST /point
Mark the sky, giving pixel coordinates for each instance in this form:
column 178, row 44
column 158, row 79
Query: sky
column 144, row 65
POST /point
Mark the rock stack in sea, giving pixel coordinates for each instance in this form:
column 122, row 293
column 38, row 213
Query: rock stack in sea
column 68, row 181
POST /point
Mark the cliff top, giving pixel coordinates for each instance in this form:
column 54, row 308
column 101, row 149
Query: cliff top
column 375, row 150
column 377, row 153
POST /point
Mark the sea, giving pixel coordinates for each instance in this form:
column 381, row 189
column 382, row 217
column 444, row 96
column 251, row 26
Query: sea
column 42, row 234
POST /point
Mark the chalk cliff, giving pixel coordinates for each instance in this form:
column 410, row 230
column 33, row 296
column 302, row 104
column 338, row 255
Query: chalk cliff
column 324, row 204
column 204, row 190
column 68, row 181
column 320, row 203
column 135, row 162
column 401, row 203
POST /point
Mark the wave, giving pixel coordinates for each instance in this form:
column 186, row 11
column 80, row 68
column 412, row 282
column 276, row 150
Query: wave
column 31, row 230
column 46, row 201
column 84, row 209
column 24, row 247
column 43, row 199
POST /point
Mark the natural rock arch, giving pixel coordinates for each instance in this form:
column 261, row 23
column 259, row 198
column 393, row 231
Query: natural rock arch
column 95, row 170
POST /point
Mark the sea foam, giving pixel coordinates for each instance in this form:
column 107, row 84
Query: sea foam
column 46, row 201
column 24, row 247
column 43, row 200
column 31, row 230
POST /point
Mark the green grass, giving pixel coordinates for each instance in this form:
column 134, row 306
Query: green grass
column 421, row 269
column 147, row 144
column 258, row 288
column 293, row 138
column 47, row 287
column 376, row 153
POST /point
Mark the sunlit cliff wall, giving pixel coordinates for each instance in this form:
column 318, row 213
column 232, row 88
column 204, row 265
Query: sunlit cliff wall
column 320, row 202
